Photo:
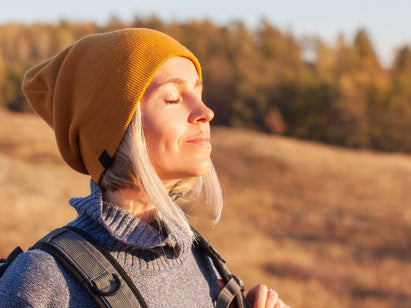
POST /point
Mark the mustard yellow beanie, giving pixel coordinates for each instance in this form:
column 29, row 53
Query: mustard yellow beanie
column 89, row 92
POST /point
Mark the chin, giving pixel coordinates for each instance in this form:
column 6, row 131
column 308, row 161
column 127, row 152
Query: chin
column 192, row 168
column 204, row 168
column 199, row 170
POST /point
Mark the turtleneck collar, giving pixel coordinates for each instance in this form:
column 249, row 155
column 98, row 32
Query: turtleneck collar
column 126, row 228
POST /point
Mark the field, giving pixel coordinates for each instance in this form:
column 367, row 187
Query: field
column 324, row 226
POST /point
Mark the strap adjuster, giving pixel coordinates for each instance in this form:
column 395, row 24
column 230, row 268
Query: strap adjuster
column 106, row 284
column 227, row 294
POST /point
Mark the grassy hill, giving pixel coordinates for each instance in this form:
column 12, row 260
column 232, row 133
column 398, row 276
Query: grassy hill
column 325, row 226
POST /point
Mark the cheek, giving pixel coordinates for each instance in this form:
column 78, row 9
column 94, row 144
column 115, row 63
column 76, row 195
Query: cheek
column 162, row 139
column 153, row 140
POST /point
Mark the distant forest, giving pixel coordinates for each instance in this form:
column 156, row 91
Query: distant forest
column 257, row 78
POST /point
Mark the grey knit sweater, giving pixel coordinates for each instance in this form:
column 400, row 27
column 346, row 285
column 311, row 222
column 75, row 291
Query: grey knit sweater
column 166, row 269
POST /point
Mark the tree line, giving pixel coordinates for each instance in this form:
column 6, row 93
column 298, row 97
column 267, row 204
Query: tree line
column 258, row 78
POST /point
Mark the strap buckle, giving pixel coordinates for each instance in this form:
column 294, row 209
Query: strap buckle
column 106, row 284
column 238, row 280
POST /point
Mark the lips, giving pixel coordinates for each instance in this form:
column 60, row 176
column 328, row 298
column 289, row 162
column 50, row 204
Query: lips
column 202, row 139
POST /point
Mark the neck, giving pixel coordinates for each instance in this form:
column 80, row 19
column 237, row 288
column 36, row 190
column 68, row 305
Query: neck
column 133, row 201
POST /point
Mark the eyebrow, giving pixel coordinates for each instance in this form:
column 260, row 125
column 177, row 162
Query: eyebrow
column 179, row 81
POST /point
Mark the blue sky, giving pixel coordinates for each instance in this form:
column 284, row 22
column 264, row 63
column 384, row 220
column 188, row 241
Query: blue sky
column 387, row 21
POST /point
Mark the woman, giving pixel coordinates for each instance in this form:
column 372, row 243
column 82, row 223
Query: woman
column 126, row 109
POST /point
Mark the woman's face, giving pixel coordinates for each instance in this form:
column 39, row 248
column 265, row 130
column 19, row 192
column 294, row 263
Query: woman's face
column 176, row 122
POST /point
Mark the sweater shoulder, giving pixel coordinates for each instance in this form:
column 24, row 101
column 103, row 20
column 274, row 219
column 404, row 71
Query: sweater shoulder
column 35, row 279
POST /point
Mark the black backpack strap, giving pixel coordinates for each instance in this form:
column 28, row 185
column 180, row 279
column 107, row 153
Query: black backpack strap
column 92, row 266
column 233, row 289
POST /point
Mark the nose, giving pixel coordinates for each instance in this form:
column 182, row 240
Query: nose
column 200, row 113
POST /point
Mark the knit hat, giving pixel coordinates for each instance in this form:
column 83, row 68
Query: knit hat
column 89, row 92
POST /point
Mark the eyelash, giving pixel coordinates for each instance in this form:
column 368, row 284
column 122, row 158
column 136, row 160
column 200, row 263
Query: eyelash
column 173, row 101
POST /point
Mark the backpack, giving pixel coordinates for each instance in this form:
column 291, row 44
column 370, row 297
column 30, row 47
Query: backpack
column 103, row 277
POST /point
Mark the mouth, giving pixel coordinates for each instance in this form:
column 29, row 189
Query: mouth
column 200, row 140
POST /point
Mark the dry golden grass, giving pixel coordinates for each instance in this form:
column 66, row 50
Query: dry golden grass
column 326, row 227
column 35, row 182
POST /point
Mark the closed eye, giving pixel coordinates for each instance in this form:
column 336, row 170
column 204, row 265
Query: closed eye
column 173, row 101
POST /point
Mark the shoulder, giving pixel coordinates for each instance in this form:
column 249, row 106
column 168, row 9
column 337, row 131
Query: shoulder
column 35, row 279
column 30, row 268
column 31, row 262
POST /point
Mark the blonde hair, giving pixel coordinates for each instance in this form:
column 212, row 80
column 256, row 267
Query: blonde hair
column 132, row 168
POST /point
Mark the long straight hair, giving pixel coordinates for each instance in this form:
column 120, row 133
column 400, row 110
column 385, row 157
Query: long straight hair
column 132, row 168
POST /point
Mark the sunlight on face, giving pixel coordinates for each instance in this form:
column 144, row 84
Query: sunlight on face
column 176, row 122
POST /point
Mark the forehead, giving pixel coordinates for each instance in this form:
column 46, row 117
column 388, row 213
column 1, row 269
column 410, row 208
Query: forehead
column 178, row 70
